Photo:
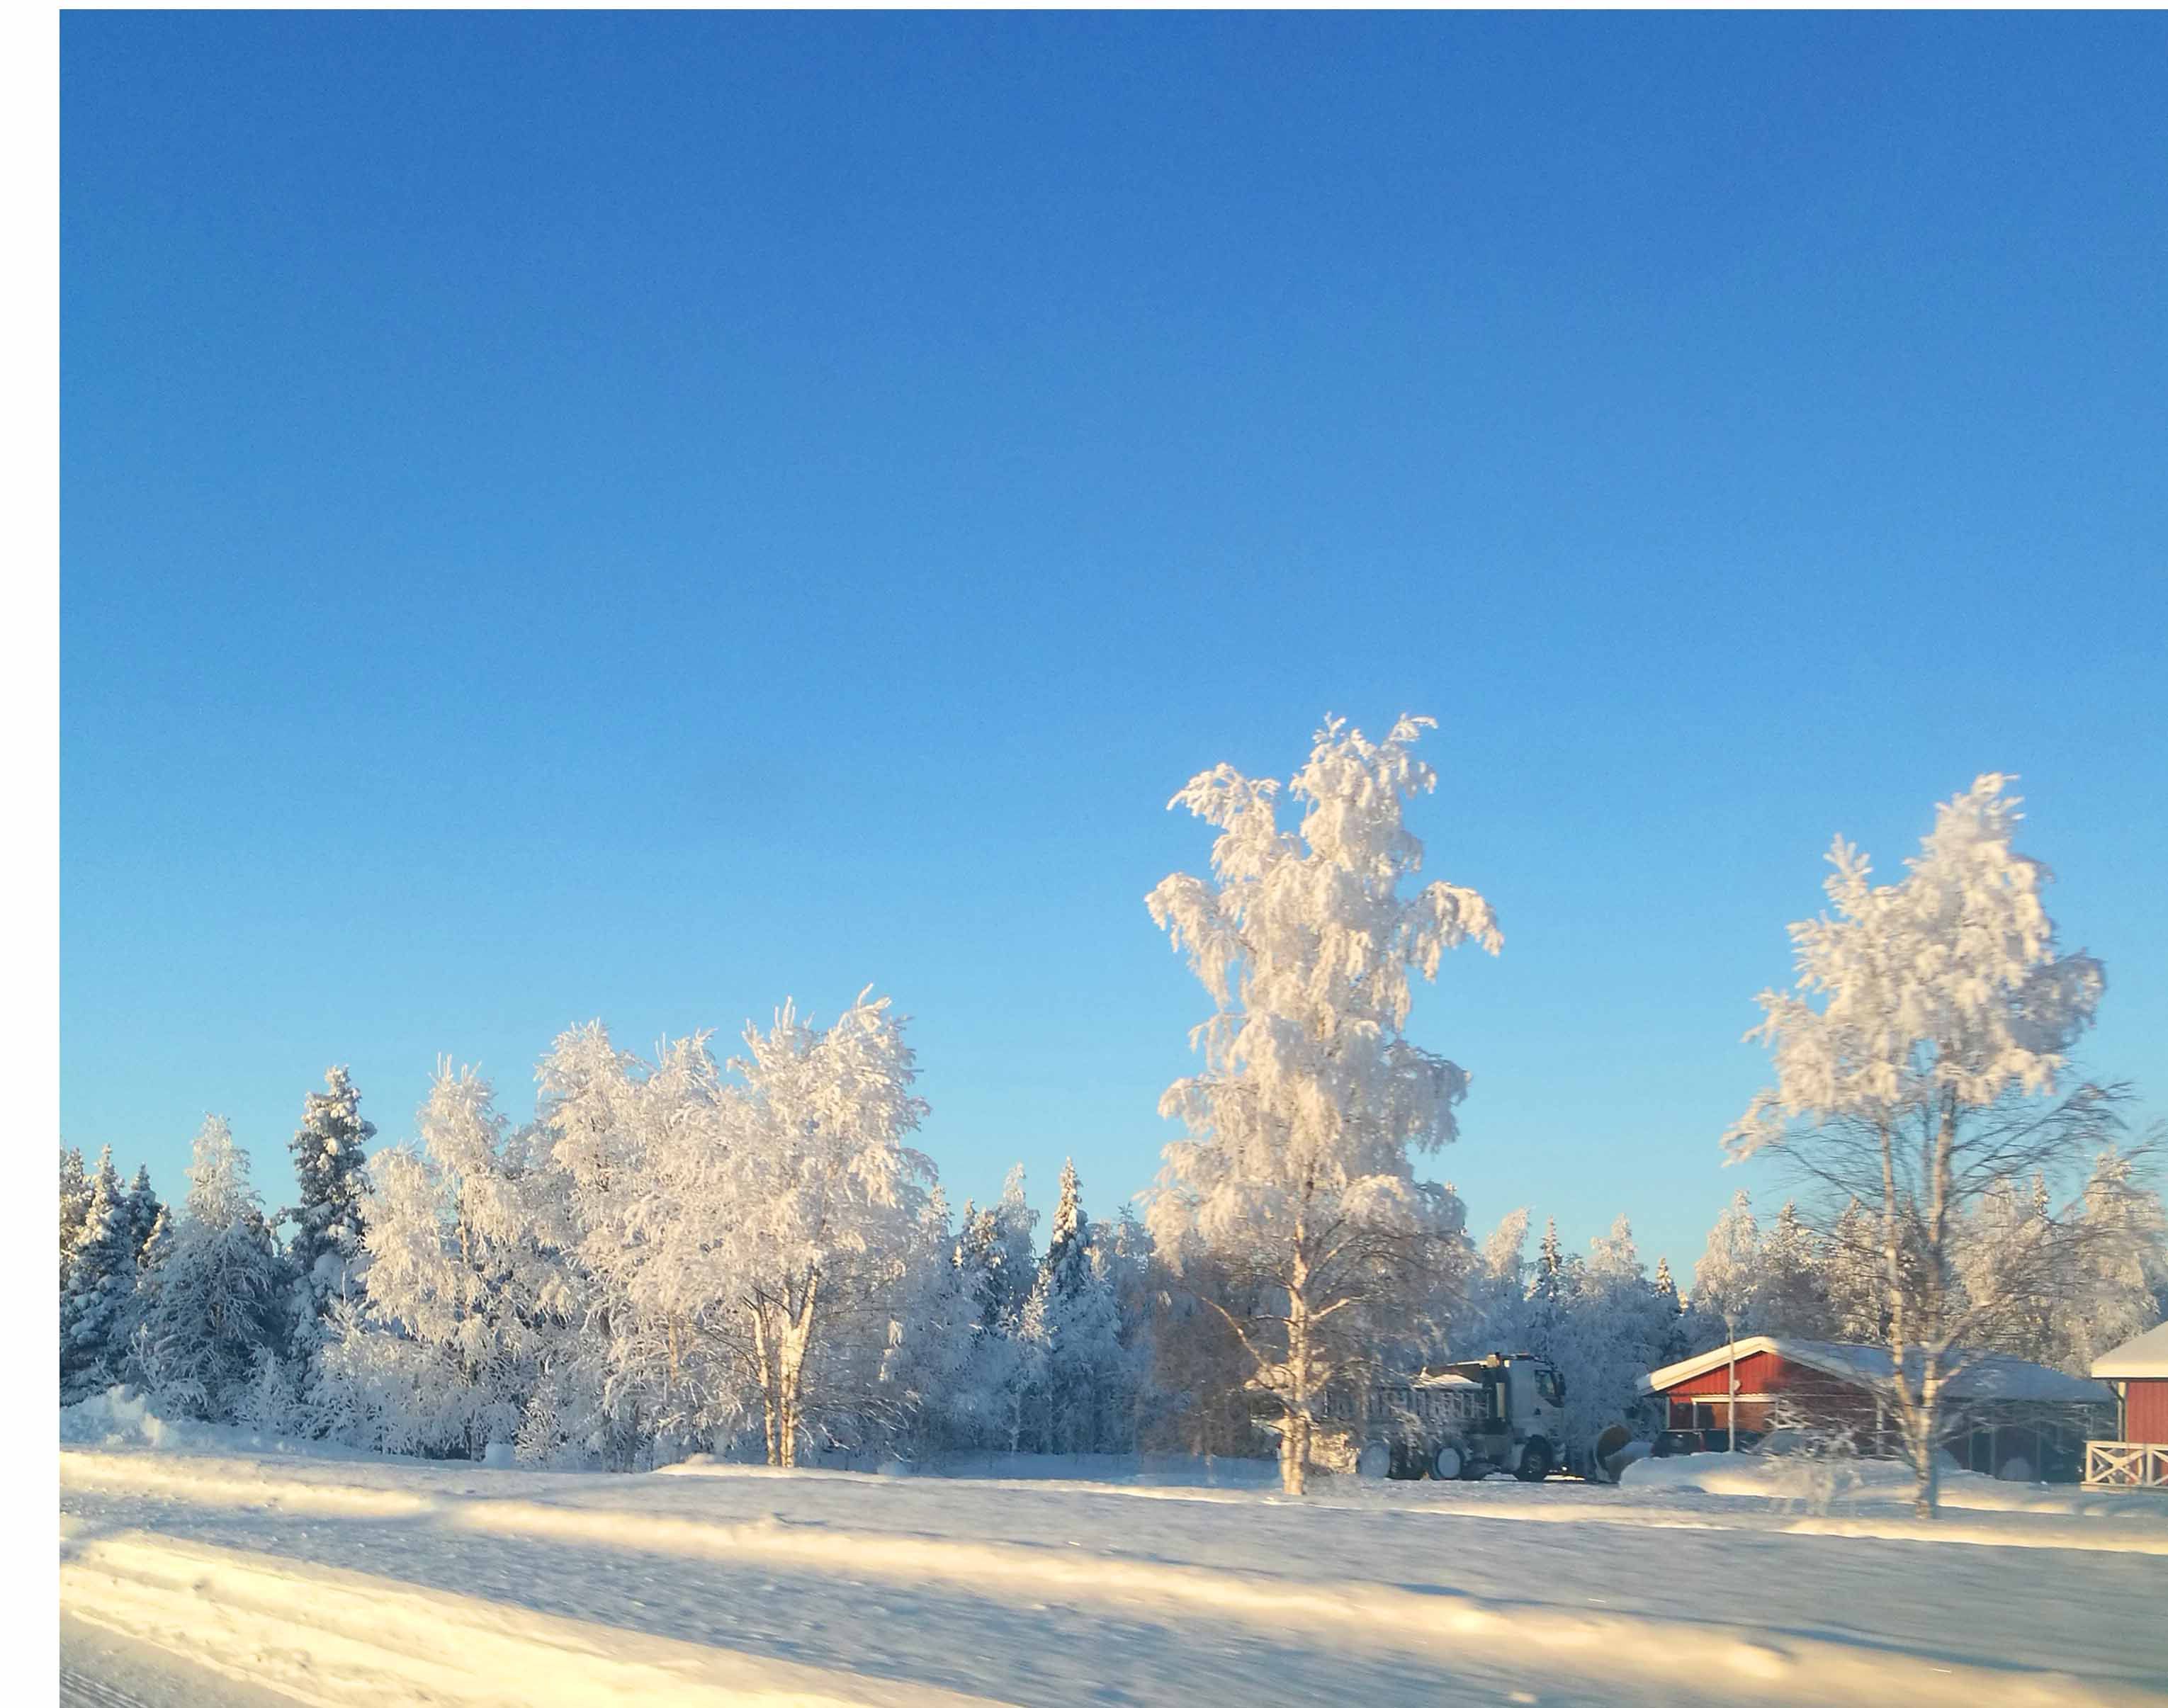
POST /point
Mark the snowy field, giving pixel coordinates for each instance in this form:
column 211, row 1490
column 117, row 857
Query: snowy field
column 349, row 1579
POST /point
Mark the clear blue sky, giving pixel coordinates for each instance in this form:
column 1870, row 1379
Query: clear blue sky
column 641, row 515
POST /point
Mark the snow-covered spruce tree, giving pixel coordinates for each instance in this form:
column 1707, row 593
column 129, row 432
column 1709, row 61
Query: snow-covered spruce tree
column 96, row 1308
column 1922, row 1058
column 1674, row 1342
column 150, row 1263
column 1300, row 1176
column 1074, row 1302
column 331, row 1163
column 993, row 1396
column 1065, row 1241
column 74, row 1206
column 818, row 1198
column 1015, row 1272
column 214, row 1314
column 143, row 1208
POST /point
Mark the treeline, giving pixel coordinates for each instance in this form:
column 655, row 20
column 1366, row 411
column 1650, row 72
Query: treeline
column 675, row 1255
column 453, row 1293
column 688, row 1254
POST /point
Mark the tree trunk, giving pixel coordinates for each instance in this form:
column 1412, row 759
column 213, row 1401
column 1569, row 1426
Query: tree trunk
column 792, row 1341
column 1926, row 1431
column 764, row 1362
column 1294, row 1438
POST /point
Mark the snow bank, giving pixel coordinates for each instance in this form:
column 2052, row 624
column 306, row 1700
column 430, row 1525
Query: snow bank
column 1872, row 1498
column 115, row 1418
column 335, row 1638
column 868, row 1567
column 1116, row 1470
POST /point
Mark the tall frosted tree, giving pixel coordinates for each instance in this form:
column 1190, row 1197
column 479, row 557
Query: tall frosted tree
column 1299, row 1176
column 214, row 1317
column 1079, row 1316
column 1794, row 1298
column 96, row 1306
column 1495, row 1315
column 1727, row 1290
column 461, row 1295
column 331, row 1164
column 818, row 1195
column 1922, row 1062
column 144, row 1208
column 1065, row 1240
column 74, row 1206
column 1013, row 1222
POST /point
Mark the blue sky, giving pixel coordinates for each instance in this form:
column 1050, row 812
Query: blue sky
column 642, row 515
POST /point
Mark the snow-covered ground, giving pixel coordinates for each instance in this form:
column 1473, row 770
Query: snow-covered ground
column 345, row 1579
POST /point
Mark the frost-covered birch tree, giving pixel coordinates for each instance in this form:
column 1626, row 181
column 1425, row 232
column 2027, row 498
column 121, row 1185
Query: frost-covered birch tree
column 1299, row 1176
column 462, row 1297
column 1922, row 1063
column 817, row 1200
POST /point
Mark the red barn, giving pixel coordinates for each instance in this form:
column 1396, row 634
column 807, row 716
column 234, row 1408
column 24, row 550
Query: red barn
column 2003, row 1412
column 2137, row 1371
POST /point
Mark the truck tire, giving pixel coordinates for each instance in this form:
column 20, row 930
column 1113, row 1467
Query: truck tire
column 1535, row 1462
column 1448, row 1463
column 1375, row 1462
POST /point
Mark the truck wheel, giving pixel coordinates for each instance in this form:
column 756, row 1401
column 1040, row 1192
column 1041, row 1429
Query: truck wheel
column 1374, row 1461
column 1446, row 1467
column 1535, row 1462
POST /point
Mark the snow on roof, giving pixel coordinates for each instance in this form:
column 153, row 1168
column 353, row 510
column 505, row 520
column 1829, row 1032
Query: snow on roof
column 1981, row 1376
column 2146, row 1355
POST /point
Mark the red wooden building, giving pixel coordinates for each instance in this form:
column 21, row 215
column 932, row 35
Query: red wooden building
column 2002, row 1411
column 2137, row 1371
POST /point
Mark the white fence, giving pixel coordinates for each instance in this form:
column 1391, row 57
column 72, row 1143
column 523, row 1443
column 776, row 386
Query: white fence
column 2127, row 1464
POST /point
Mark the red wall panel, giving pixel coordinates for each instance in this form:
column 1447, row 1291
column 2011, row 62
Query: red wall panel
column 1759, row 1372
column 2145, row 1416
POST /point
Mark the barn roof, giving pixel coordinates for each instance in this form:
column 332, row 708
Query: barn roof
column 1982, row 1376
column 2146, row 1355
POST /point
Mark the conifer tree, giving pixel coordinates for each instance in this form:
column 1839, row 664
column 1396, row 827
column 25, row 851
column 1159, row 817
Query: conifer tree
column 1013, row 1221
column 144, row 1208
column 1550, row 1285
column 331, row 1163
column 1671, row 1316
column 95, row 1310
column 75, row 1205
column 1065, row 1245
column 213, row 1320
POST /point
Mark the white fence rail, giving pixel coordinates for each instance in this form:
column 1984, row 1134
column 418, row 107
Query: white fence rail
column 2127, row 1464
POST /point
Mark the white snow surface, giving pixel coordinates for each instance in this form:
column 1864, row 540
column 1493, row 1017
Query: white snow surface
column 2145, row 1356
column 343, row 1578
